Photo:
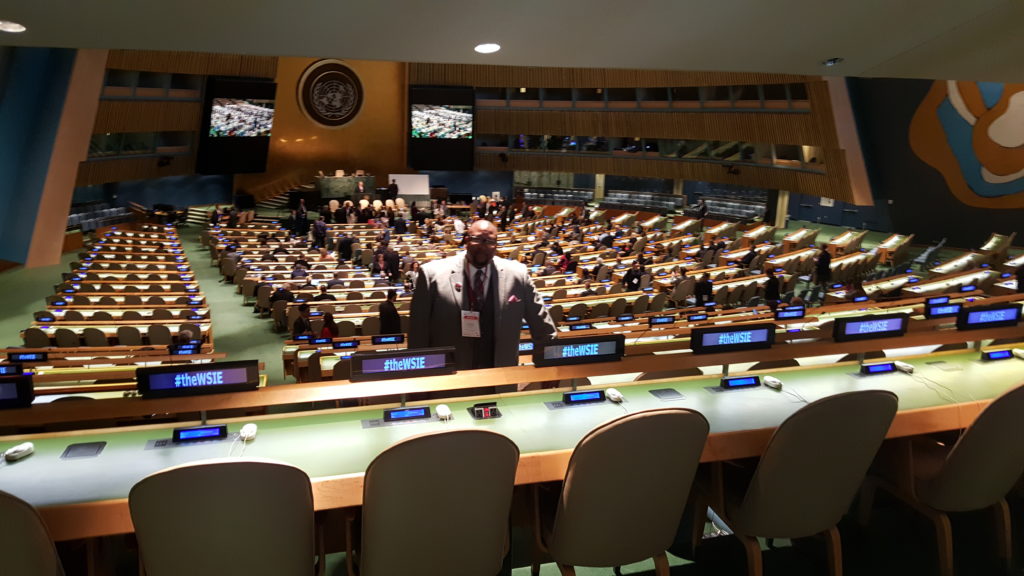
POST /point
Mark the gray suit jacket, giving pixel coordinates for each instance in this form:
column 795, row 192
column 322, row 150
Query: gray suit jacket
column 437, row 305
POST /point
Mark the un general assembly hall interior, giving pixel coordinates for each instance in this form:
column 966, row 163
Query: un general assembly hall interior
column 577, row 287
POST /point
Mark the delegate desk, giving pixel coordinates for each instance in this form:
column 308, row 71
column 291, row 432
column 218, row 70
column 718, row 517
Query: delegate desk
column 799, row 239
column 756, row 235
column 998, row 243
column 88, row 498
column 892, row 247
column 723, row 229
column 846, row 242
column 877, row 289
column 978, row 278
column 959, row 264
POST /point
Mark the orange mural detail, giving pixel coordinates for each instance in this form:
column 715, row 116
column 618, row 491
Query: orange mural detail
column 973, row 136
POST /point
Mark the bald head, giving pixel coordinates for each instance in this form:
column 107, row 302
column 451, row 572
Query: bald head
column 481, row 242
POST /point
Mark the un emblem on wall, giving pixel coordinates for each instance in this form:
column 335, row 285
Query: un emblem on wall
column 330, row 93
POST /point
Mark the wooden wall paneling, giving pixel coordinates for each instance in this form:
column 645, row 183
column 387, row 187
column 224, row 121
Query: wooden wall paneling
column 832, row 185
column 124, row 169
column 537, row 77
column 147, row 116
column 203, row 63
column 762, row 127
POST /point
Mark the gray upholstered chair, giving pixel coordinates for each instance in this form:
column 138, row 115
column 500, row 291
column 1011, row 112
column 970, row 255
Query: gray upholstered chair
column 65, row 338
column 370, row 326
column 252, row 517
column 624, row 492
column 467, row 474
column 812, row 468
column 35, row 338
column 159, row 335
column 25, row 546
column 129, row 336
column 974, row 473
column 94, row 337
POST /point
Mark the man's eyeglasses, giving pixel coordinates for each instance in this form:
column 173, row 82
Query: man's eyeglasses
column 482, row 240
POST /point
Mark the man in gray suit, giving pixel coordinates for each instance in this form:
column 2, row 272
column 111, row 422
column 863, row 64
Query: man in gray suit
column 477, row 302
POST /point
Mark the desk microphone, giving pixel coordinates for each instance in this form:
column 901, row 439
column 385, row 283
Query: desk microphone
column 1019, row 353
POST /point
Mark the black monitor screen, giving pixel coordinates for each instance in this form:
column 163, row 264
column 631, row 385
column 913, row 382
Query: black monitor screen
column 238, row 117
column 748, row 337
column 869, row 327
column 993, row 316
column 16, row 391
column 194, row 379
column 441, row 128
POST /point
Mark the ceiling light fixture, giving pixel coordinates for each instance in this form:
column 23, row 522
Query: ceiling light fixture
column 830, row 62
column 487, row 48
column 12, row 27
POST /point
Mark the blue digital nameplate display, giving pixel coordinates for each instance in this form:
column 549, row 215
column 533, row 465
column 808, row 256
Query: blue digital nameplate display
column 585, row 326
column 16, row 391
column 869, row 327
column 10, row 369
column 696, row 317
column 937, row 300
column 321, row 341
column 585, row 397
column 993, row 316
column 997, row 355
column 526, row 346
column 389, row 339
column 407, row 413
column 661, row 320
column 861, row 299
column 748, row 337
column 740, row 382
column 880, row 368
column 790, row 313
column 402, row 364
column 195, row 379
column 199, row 434
column 347, row 344
column 574, row 318
column 624, row 318
column 968, row 288
column 942, row 310
column 581, row 350
column 27, row 356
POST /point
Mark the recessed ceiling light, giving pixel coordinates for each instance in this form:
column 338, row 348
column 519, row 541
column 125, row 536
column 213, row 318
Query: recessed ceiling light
column 487, row 48
column 13, row 27
column 830, row 62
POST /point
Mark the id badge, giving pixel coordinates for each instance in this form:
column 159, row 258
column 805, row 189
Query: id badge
column 470, row 324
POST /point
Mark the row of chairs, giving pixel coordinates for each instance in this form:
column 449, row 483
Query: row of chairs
column 623, row 499
column 157, row 335
column 103, row 315
column 127, row 299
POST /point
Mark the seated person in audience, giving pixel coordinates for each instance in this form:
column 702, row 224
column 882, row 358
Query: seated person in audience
column 379, row 267
column 856, row 290
column 400, row 225
column 280, row 249
column 572, row 266
column 412, row 274
column 631, row 279
column 283, row 292
column 299, row 271
column 301, row 326
column 563, row 263
column 264, row 239
column 675, row 276
column 324, row 295
column 797, row 301
column 338, row 280
column 703, row 291
column 771, row 290
column 330, row 329
column 748, row 258
column 550, row 270
column 587, row 290
column 390, row 322
column 325, row 256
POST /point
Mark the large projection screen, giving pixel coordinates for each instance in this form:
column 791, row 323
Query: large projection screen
column 411, row 187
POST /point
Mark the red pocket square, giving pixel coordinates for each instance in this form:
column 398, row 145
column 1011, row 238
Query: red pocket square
column 513, row 299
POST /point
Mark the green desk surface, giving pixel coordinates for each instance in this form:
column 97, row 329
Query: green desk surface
column 329, row 444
